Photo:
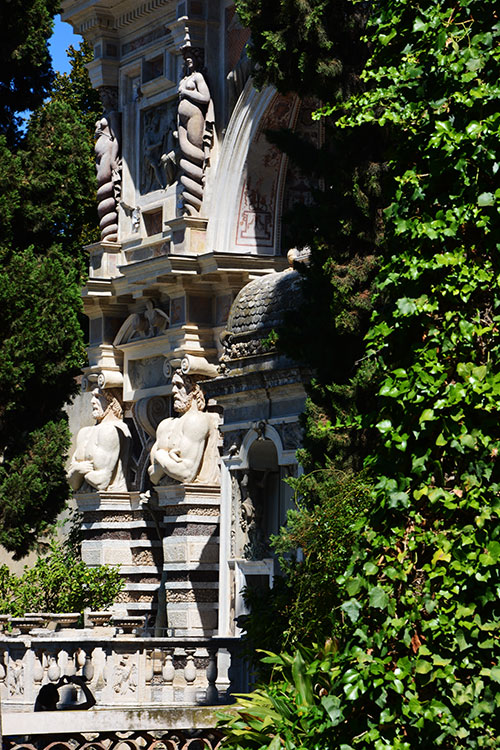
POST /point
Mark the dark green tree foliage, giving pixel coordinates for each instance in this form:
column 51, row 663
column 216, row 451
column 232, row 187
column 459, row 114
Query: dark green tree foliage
column 416, row 665
column 26, row 71
column 307, row 46
column 47, row 187
column 315, row 48
column 57, row 158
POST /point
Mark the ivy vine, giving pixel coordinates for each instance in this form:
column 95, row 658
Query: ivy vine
column 417, row 664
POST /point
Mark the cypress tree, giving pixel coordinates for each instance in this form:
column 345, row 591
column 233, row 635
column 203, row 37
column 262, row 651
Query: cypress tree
column 47, row 187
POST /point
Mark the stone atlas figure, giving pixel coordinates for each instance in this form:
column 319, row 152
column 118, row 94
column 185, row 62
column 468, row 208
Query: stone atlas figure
column 102, row 449
column 185, row 447
column 195, row 123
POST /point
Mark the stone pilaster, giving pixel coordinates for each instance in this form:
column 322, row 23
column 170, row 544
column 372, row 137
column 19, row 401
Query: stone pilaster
column 191, row 557
column 118, row 530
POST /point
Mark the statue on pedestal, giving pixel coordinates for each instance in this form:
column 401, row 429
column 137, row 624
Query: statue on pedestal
column 185, row 447
column 102, row 450
column 195, row 123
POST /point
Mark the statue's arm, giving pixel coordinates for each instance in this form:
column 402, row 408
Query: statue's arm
column 105, row 458
column 183, row 461
column 79, row 465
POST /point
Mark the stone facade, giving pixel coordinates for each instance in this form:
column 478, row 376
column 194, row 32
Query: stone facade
column 181, row 478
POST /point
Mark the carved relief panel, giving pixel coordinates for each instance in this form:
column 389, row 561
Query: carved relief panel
column 159, row 145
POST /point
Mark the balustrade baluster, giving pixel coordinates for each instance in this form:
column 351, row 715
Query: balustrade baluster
column 70, row 668
column 38, row 670
column 211, row 672
column 54, row 670
column 88, row 667
column 168, row 673
column 190, row 676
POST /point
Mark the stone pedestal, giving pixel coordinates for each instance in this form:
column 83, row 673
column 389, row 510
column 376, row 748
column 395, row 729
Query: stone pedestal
column 117, row 530
column 191, row 557
column 187, row 235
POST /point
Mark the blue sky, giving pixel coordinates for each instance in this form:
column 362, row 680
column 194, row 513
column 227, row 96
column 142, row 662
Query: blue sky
column 60, row 41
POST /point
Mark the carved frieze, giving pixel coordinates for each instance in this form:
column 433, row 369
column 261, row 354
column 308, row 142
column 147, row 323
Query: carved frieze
column 290, row 434
column 151, row 322
column 16, row 677
column 146, row 373
column 231, row 441
column 125, row 675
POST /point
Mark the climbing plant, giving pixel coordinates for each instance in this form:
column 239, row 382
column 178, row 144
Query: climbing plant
column 416, row 664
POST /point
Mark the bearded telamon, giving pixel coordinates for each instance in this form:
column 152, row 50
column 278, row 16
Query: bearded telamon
column 102, row 449
column 185, row 447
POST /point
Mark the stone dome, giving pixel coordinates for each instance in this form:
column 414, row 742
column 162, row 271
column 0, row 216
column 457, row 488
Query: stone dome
column 258, row 309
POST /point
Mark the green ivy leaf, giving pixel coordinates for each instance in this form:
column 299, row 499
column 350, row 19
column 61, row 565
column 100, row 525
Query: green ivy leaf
column 378, row 597
column 352, row 608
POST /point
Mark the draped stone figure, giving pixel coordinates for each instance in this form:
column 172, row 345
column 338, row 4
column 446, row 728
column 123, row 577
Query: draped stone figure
column 186, row 446
column 108, row 169
column 102, row 450
column 195, row 123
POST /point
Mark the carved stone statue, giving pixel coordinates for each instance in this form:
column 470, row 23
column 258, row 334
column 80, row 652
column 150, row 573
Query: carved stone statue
column 185, row 447
column 195, row 123
column 151, row 322
column 108, row 168
column 102, row 449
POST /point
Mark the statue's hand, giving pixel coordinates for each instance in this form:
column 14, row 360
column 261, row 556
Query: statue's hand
column 85, row 466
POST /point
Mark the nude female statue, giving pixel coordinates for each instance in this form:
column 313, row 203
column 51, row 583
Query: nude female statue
column 107, row 161
column 195, row 121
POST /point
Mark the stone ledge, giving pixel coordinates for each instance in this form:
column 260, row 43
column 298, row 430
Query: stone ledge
column 108, row 720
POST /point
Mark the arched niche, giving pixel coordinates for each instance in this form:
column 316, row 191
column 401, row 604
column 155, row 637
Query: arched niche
column 260, row 497
column 246, row 198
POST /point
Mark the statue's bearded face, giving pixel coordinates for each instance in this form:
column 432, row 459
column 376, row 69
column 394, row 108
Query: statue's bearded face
column 99, row 404
column 182, row 399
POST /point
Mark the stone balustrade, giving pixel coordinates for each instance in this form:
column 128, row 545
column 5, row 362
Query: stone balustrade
column 124, row 670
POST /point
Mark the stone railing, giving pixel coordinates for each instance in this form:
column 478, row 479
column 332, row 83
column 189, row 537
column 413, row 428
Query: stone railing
column 123, row 670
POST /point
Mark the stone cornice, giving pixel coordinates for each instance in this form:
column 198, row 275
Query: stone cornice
column 91, row 17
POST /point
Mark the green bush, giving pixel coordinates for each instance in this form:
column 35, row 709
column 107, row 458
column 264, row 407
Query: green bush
column 59, row 581
column 313, row 549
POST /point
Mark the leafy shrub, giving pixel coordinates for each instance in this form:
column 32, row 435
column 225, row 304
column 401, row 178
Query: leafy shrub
column 313, row 548
column 59, row 581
